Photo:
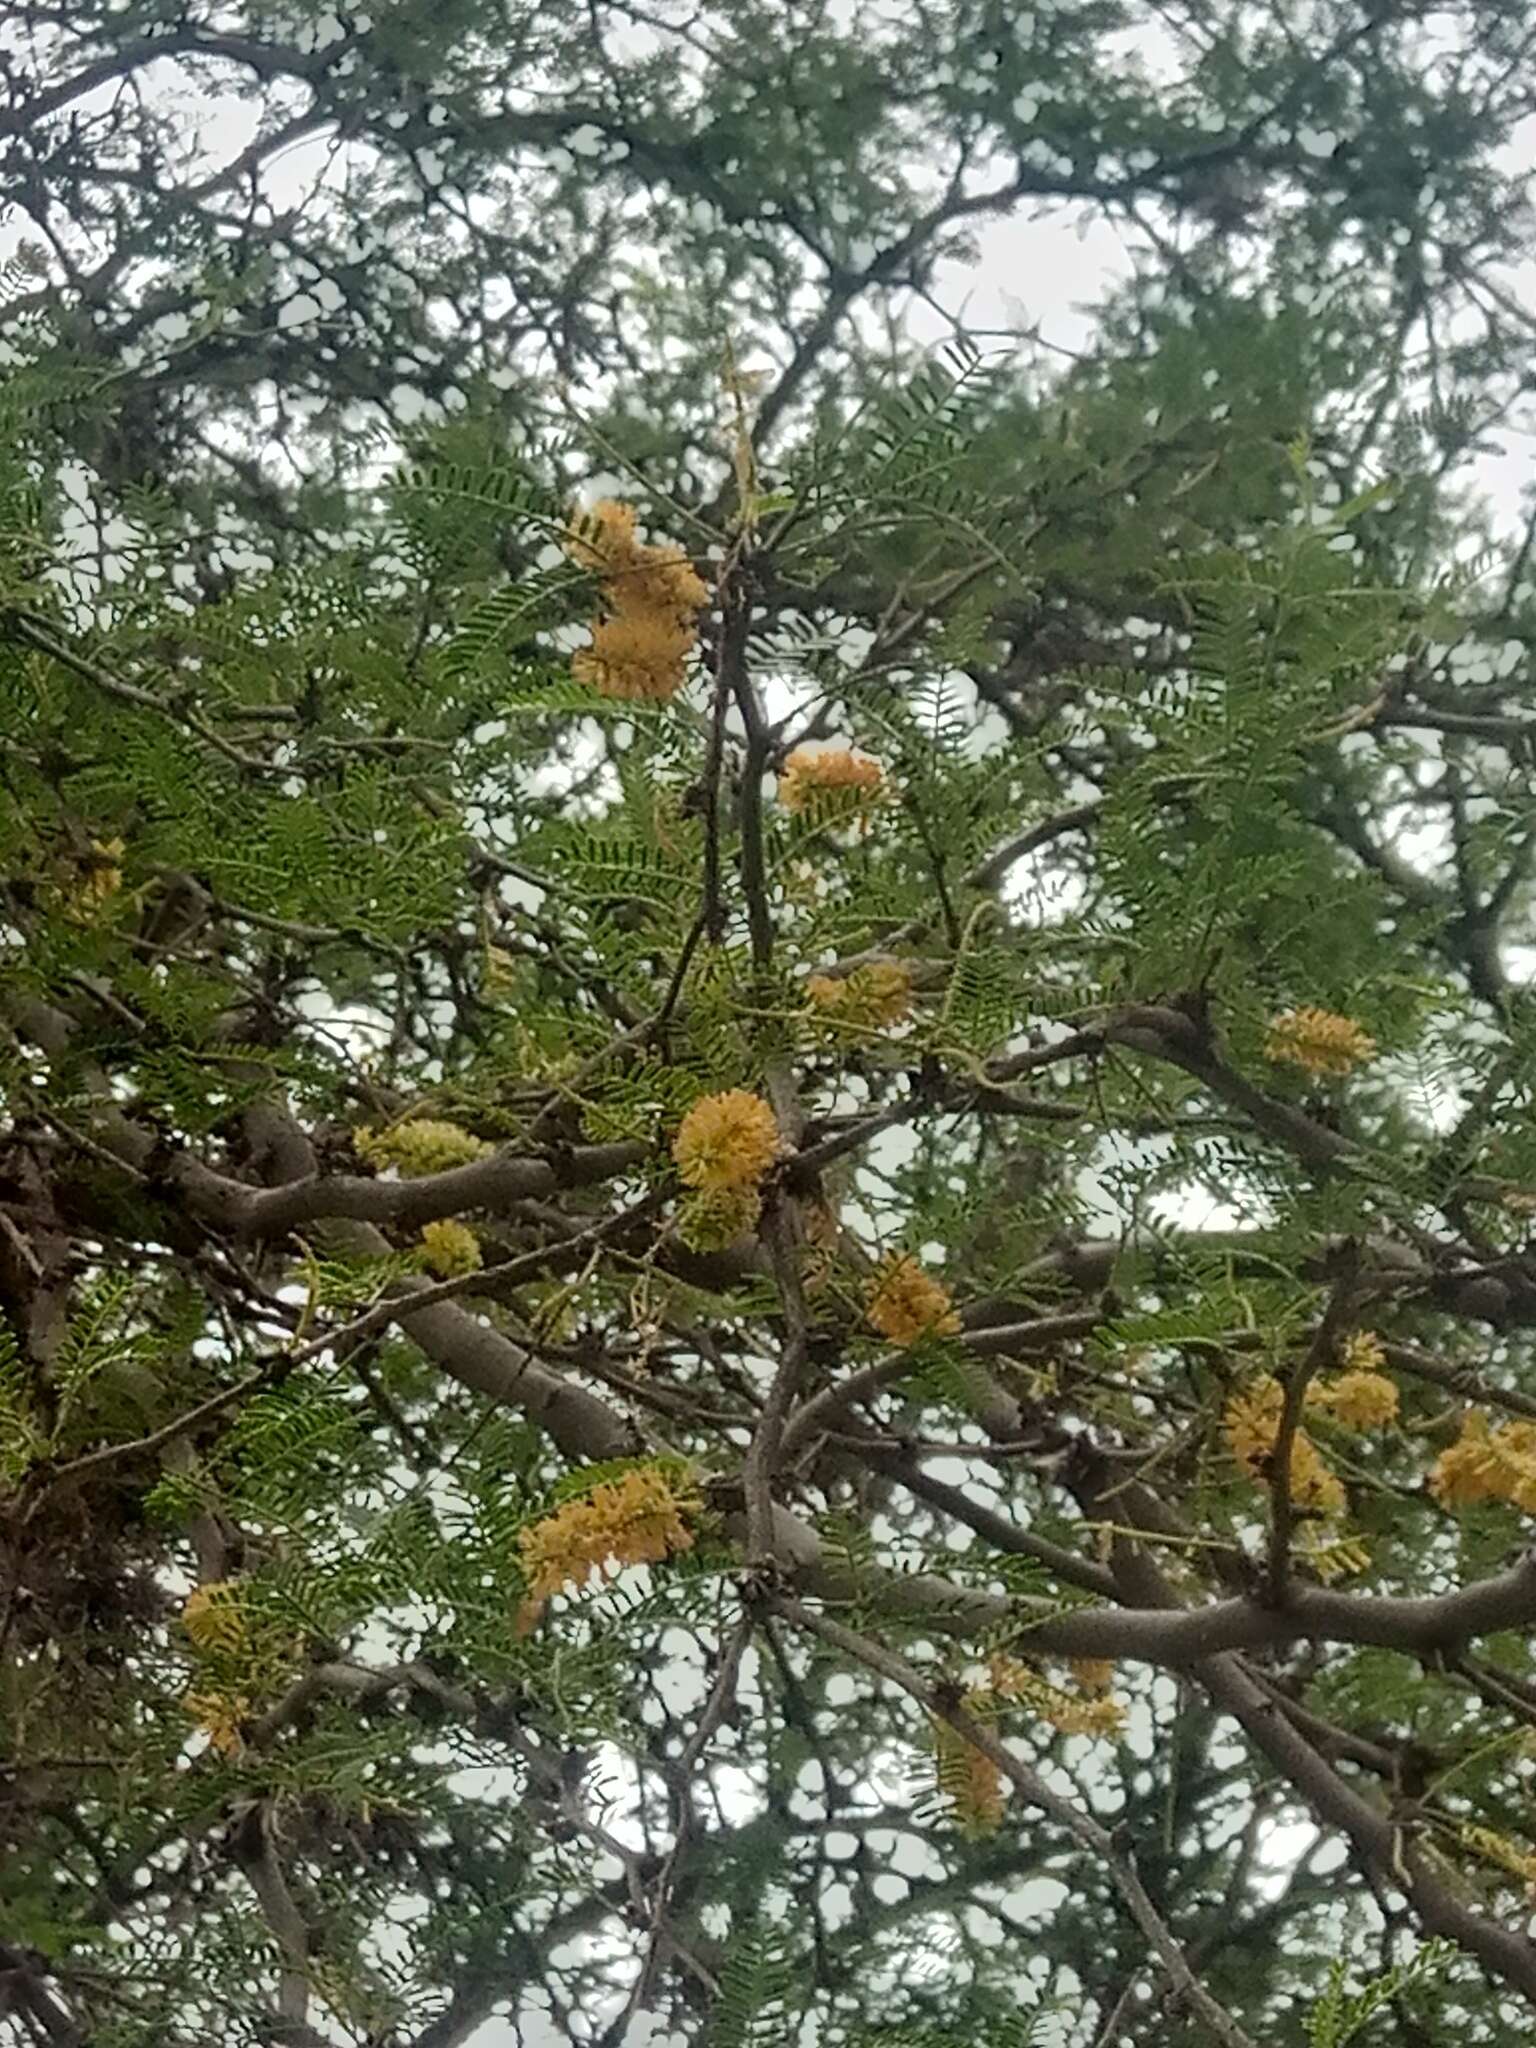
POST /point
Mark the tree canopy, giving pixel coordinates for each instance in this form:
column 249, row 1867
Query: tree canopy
column 767, row 1168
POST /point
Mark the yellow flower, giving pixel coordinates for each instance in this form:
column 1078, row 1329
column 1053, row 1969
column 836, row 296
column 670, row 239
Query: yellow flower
column 651, row 597
column 1344, row 1558
column 638, row 1518
column 219, row 1715
column 1252, row 1424
column 212, row 1617
column 968, row 1778
column 1362, row 1351
column 829, row 781
column 1010, row 1678
column 1319, row 1041
column 637, row 656
column 1099, row 1718
column 712, row 1218
column 605, row 537
column 1485, row 1464
column 726, row 1142
column 449, row 1248
column 422, row 1144
column 1093, row 1674
column 908, row 1303
column 877, row 994
column 1359, row 1399
column 1470, row 1470
column 96, row 877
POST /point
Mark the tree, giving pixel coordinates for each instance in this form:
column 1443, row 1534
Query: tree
column 766, row 1227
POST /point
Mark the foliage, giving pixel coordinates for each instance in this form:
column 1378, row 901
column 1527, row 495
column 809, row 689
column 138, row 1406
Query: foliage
column 765, row 1255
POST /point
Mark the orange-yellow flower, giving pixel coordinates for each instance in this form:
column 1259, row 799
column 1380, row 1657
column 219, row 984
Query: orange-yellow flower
column 639, row 1518
column 1320, row 1041
column 829, row 781
column 908, row 1303
column 726, row 1141
column 637, row 656
column 1010, row 1678
column 1252, row 1425
column 1487, row 1464
column 876, row 995
column 651, row 602
column 1359, row 1399
column 606, row 537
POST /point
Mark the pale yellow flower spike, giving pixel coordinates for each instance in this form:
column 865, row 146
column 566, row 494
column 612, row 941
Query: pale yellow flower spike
column 968, row 1778
column 1320, row 1041
column 828, row 780
column 99, row 879
column 1360, row 1400
column 640, row 1518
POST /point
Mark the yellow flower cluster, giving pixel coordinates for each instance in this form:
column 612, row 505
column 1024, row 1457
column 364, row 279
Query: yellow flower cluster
column 968, row 1778
column 726, row 1143
column 450, row 1248
column 422, row 1144
column 906, row 1303
column 219, row 1715
column 98, row 878
column 1009, row 1678
column 1362, row 1351
column 1098, row 1719
column 712, row 1218
column 875, row 995
column 639, row 1518
column 1251, row 1425
column 829, row 782
column 652, row 599
column 1487, row 1464
column 1320, row 1041
column 213, row 1619
column 1344, row 1558
column 1093, row 1674
column 1360, row 1400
